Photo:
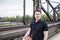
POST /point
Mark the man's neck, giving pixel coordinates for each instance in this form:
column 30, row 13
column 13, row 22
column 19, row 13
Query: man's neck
column 37, row 20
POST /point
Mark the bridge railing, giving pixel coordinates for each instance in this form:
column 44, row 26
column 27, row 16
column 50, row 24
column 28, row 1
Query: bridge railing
column 53, row 29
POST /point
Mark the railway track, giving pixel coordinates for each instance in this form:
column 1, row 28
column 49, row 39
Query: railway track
column 19, row 31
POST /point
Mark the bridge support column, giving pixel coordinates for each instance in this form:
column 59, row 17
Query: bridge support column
column 36, row 6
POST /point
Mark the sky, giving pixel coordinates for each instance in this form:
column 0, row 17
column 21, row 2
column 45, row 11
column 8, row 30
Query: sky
column 12, row 8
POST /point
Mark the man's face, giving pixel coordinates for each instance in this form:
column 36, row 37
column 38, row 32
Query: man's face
column 37, row 15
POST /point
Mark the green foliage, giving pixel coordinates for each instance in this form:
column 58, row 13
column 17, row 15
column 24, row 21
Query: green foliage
column 58, row 18
column 10, row 19
column 44, row 17
column 28, row 18
column 19, row 19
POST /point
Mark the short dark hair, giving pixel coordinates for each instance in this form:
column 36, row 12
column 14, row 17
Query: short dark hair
column 38, row 11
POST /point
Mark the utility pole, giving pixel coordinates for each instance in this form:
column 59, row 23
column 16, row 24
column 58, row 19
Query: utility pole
column 24, row 21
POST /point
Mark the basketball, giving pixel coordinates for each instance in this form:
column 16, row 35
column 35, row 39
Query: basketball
column 28, row 38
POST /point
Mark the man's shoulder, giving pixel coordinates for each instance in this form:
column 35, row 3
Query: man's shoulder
column 32, row 20
column 43, row 22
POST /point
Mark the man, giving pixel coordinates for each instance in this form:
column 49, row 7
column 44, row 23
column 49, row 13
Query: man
column 38, row 29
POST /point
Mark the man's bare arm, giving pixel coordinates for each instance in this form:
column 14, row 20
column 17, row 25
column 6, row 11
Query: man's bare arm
column 45, row 35
column 28, row 32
